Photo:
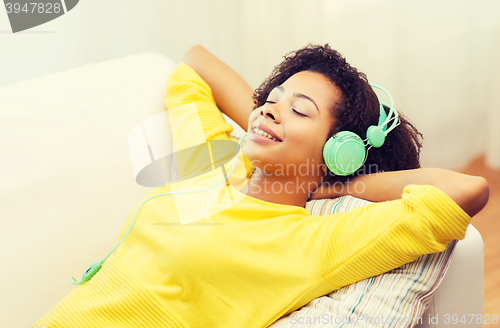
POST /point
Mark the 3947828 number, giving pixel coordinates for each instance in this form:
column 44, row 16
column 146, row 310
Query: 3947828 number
column 485, row 319
column 33, row 7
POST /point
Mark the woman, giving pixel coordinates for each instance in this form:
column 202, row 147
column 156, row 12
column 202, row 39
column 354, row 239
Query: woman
column 252, row 253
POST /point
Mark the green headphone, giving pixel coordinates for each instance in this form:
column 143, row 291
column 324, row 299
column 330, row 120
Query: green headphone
column 346, row 152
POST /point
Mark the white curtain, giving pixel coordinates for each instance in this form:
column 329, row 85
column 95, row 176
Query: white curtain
column 439, row 59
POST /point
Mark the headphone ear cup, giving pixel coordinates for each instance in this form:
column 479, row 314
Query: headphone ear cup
column 376, row 136
column 344, row 153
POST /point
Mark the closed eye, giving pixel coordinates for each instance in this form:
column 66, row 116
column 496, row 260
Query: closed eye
column 299, row 113
column 273, row 102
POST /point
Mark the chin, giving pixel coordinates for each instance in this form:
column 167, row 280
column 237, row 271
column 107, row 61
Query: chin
column 262, row 159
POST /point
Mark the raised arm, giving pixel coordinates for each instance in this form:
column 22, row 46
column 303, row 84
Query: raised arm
column 231, row 92
column 471, row 193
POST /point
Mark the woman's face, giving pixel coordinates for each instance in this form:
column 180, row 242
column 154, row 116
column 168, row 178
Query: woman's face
column 297, row 116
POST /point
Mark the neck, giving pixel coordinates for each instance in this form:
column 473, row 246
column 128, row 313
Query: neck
column 286, row 190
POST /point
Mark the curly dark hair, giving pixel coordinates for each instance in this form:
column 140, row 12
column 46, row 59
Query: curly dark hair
column 357, row 109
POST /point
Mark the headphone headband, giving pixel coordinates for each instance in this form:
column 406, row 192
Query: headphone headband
column 392, row 110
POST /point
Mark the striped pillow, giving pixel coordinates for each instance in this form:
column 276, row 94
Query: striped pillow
column 397, row 298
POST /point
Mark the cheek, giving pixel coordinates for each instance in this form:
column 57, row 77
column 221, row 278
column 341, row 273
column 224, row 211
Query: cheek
column 308, row 140
column 253, row 116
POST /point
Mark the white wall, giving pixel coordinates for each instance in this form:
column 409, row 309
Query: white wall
column 236, row 31
column 93, row 31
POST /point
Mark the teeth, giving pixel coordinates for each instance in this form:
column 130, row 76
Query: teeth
column 264, row 134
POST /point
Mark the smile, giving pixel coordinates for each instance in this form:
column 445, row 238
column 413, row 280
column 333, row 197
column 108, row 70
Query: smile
column 261, row 136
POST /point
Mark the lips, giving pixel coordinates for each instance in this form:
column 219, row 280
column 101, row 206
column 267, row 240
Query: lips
column 264, row 128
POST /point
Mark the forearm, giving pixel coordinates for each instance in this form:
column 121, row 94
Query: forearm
column 232, row 94
column 471, row 193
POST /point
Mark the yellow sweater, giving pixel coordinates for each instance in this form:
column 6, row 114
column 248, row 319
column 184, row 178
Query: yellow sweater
column 244, row 262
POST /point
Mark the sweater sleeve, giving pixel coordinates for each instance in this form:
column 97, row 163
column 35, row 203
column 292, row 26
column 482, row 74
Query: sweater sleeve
column 196, row 122
column 185, row 90
column 374, row 239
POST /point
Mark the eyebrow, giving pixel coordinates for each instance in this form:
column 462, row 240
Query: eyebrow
column 299, row 95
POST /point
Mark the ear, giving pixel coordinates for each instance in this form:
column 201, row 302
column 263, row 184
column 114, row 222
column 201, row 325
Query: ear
column 325, row 170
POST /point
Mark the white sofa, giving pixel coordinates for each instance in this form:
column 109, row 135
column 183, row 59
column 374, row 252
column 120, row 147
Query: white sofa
column 67, row 184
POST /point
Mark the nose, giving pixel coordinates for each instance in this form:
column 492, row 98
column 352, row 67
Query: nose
column 271, row 111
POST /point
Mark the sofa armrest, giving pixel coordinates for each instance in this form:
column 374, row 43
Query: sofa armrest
column 461, row 291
